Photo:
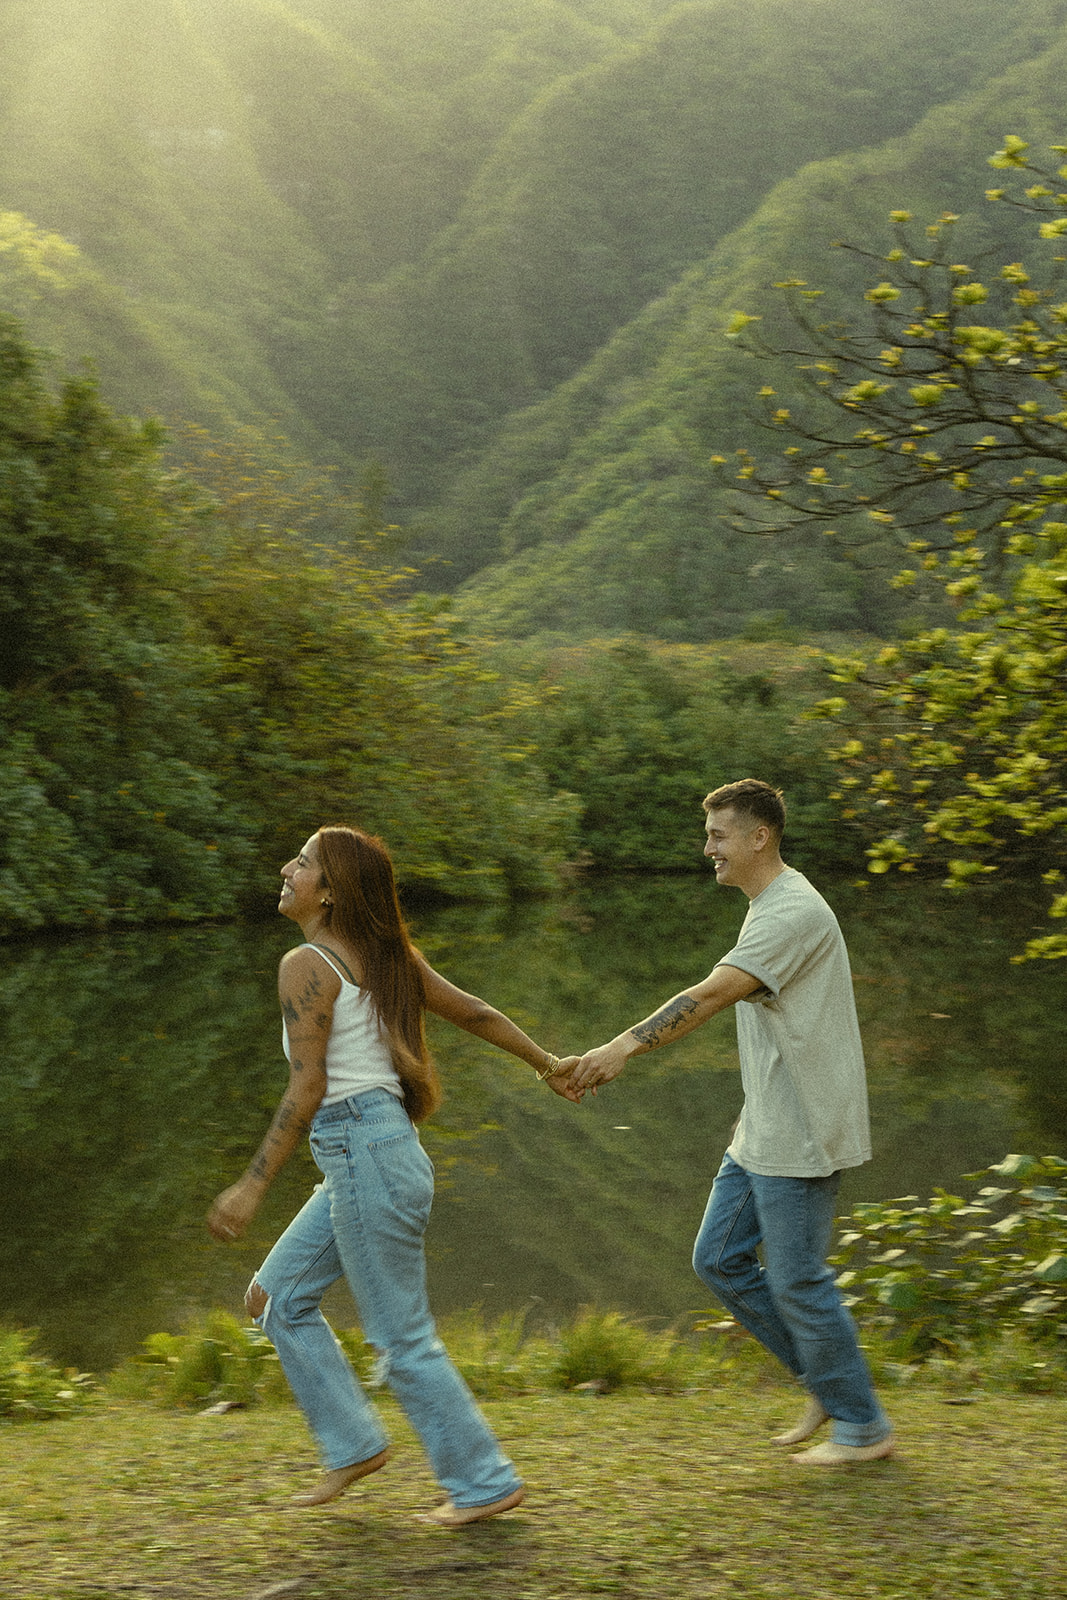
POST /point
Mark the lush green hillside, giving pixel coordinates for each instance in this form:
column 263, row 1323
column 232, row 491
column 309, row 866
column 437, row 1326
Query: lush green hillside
column 492, row 247
column 605, row 500
column 616, row 180
column 224, row 169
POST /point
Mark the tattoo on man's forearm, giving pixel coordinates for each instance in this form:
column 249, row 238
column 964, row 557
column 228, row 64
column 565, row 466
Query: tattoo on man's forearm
column 672, row 1015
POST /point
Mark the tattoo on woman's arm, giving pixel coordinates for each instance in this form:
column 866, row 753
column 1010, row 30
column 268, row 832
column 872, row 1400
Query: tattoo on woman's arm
column 665, row 1021
column 286, row 1118
column 312, row 990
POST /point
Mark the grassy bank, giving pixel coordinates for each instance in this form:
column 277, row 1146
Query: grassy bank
column 629, row 1494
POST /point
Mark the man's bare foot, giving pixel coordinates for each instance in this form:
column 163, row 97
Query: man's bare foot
column 450, row 1516
column 812, row 1420
column 829, row 1454
column 331, row 1484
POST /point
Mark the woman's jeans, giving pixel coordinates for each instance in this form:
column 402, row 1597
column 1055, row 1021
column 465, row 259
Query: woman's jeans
column 790, row 1303
column 366, row 1221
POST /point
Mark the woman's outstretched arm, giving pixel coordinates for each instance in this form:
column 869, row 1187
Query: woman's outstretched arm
column 477, row 1016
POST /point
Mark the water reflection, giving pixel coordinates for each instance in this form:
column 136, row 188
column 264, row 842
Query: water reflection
column 140, row 1071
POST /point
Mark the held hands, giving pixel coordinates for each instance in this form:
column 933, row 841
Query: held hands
column 597, row 1067
column 559, row 1080
column 572, row 1076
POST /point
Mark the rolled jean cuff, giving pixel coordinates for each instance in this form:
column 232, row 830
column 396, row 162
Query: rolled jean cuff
column 463, row 1502
column 861, row 1434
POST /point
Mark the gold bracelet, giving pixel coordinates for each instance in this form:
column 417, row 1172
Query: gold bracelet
column 550, row 1071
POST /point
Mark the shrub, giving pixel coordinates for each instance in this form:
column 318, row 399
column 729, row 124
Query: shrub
column 218, row 1359
column 502, row 1357
column 606, row 1349
column 31, row 1389
column 956, row 1272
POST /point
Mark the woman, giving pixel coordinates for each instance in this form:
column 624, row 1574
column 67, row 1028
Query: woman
column 353, row 1000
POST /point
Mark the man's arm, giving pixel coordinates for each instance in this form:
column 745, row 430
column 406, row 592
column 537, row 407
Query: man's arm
column 688, row 1010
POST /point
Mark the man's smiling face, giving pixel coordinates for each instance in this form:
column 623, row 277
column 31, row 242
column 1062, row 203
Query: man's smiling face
column 734, row 844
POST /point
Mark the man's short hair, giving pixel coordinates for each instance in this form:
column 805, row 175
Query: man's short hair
column 751, row 797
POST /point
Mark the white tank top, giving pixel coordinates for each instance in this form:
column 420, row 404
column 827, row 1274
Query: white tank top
column 358, row 1057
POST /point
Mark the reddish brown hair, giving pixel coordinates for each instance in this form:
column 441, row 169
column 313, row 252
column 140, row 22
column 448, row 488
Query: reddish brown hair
column 358, row 871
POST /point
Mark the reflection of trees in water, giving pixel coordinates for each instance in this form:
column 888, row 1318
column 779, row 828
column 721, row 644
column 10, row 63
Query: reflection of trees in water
column 139, row 1071
column 129, row 1066
column 959, row 1038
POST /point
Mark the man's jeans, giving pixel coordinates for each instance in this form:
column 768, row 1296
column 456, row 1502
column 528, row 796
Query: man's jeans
column 790, row 1303
column 366, row 1221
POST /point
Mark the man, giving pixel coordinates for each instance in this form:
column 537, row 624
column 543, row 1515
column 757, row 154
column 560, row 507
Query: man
column 804, row 1120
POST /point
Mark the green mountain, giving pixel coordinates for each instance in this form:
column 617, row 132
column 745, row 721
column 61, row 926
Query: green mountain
column 617, row 179
column 492, row 247
column 601, row 508
column 224, row 168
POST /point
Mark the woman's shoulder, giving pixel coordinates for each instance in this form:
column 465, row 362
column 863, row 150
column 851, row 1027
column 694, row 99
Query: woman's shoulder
column 344, row 963
column 304, row 966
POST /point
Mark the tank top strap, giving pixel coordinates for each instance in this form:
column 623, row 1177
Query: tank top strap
column 334, row 961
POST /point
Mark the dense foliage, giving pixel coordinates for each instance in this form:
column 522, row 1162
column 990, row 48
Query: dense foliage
column 109, row 805
column 186, row 689
column 640, row 732
column 189, row 683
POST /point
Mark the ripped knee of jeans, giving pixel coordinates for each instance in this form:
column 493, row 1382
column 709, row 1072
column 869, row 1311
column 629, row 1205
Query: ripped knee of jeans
column 257, row 1300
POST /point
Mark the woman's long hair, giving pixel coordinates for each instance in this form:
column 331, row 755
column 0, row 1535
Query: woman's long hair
column 366, row 915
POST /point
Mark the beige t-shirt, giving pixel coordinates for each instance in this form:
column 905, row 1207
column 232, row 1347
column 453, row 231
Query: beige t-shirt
column 805, row 1112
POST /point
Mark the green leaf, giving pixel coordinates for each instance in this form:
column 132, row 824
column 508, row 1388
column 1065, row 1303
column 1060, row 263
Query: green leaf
column 1052, row 1270
column 1012, row 154
column 899, row 1296
column 1015, row 1166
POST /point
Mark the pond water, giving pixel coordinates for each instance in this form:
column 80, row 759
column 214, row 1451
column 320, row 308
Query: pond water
column 141, row 1070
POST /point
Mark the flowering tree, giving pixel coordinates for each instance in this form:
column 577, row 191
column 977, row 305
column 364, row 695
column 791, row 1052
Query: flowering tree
column 936, row 423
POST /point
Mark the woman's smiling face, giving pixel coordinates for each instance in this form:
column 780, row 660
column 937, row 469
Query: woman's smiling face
column 302, row 885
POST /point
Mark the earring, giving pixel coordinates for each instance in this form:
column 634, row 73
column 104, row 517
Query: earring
column 327, row 903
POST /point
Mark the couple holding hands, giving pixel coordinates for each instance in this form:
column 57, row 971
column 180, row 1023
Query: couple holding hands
column 353, row 1000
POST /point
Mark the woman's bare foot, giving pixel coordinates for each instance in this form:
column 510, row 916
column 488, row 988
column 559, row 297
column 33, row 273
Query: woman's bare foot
column 331, row 1484
column 450, row 1516
column 829, row 1454
column 812, row 1420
